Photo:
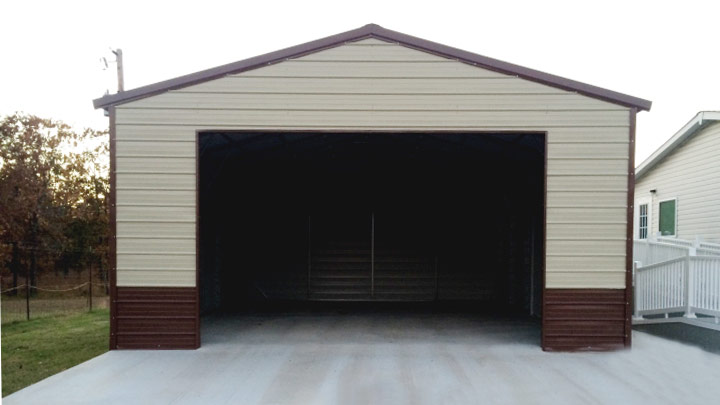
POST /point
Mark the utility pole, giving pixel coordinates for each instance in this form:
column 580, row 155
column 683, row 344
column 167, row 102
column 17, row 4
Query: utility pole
column 119, row 61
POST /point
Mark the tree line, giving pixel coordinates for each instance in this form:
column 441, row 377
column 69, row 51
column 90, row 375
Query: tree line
column 54, row 186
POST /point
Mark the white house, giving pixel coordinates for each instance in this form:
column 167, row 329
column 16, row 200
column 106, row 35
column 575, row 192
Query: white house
column 677, row 189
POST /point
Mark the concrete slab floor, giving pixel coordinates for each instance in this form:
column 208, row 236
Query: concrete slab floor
column 384, row 358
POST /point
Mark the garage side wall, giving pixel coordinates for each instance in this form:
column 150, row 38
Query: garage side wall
column 376, row 85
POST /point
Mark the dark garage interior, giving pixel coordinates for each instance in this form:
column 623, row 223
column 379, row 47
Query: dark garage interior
column 435, row 218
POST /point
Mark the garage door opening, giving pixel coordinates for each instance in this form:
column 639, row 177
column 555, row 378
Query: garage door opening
column 316, row 217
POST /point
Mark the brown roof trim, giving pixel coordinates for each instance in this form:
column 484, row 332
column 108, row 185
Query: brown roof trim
column 374, row 31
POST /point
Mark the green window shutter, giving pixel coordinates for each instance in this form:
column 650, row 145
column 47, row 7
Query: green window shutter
column 667, row 218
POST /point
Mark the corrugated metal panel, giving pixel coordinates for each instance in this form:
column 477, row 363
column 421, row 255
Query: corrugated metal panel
column 584, row 247
column 374, row 52
column 166, row 133
column 584, row 319
column 580, row 216
column 586, row 231
column 365, row 119
column 341, row 257
column 155, row 196
column 599, row 134
column 154, row 181
column 156, row 261
column 591, row 167
column 388, row 257
column 341, row 274
column 557, row 134
column 587, row 199
column 371, row 41
column 436, row 68
column 379, row 102
column 160, row 214
column 578, row 127
column 158, row 269
column 405, row 265
column 586, row 183
column 588, row 150
column 579, row 279
column 154, row 149
column 404, row 275
column 439, row 86
column 153, row 245
column 157, row 318
column 571, row 263
column 171, row 277
column 158, row 230
column 184, row 165
column 690, row 174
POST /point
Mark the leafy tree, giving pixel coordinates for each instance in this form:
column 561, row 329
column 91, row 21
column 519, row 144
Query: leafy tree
column 53, row 197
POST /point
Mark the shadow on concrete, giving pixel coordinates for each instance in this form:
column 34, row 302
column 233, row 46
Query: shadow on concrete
column 706, row 339
column 370, row 324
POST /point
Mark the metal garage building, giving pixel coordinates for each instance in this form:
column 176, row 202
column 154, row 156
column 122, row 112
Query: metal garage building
column 371, row 166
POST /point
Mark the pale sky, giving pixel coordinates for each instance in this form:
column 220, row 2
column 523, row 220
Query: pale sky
column 664, row 53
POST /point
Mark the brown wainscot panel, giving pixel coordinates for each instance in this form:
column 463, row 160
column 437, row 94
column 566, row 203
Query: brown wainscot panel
column 584, row 320
column 156, row 318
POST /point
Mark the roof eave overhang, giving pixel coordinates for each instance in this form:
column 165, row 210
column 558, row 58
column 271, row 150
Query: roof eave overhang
column 374, row 31
column 699, row 121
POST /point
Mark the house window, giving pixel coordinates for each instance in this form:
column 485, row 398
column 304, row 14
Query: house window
column 668, row 217
column 643, row 221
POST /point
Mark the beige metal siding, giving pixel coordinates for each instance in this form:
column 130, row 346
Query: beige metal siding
column 691, row 174
column 388, row 102
column 373, row 85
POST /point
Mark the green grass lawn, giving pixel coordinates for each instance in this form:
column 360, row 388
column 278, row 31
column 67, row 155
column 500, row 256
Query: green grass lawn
column 38, row 348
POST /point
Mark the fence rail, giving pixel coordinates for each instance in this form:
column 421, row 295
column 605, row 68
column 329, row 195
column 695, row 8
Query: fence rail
column 659, row 249
column 25, row 302
column 684, row 289
column 659, row 287
column 708, row 251
column 649, row 253
column 705, row 284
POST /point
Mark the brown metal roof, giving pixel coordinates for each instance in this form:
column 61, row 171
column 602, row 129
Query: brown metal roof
column 373, row 31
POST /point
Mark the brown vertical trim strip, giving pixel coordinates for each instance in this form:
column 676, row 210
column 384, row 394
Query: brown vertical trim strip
column 197, row 239
column 630, row 218
column 112, row 249
column 543, row 305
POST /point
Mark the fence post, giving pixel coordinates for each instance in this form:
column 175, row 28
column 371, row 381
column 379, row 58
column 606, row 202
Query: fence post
column 90, row 291
column 635, row 265
column 27, row 294
column 689, row 283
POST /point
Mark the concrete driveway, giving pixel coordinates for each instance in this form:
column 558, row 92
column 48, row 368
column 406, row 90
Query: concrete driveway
column 384, row 358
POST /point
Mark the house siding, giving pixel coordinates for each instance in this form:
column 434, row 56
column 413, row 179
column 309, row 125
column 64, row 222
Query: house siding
column 690, row 174
column 372, row 85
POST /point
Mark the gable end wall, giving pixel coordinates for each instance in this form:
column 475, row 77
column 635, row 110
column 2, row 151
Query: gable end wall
column 375, row 85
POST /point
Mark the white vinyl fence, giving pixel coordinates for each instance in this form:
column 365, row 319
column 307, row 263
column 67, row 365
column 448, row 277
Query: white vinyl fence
column 708, row 249
column 677, row 280
column 646, row 252
column 688, row 286
column 660, row 249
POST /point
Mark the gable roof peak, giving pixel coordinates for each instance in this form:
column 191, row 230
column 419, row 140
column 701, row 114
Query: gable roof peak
column 687, row 132
column 374, row 30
